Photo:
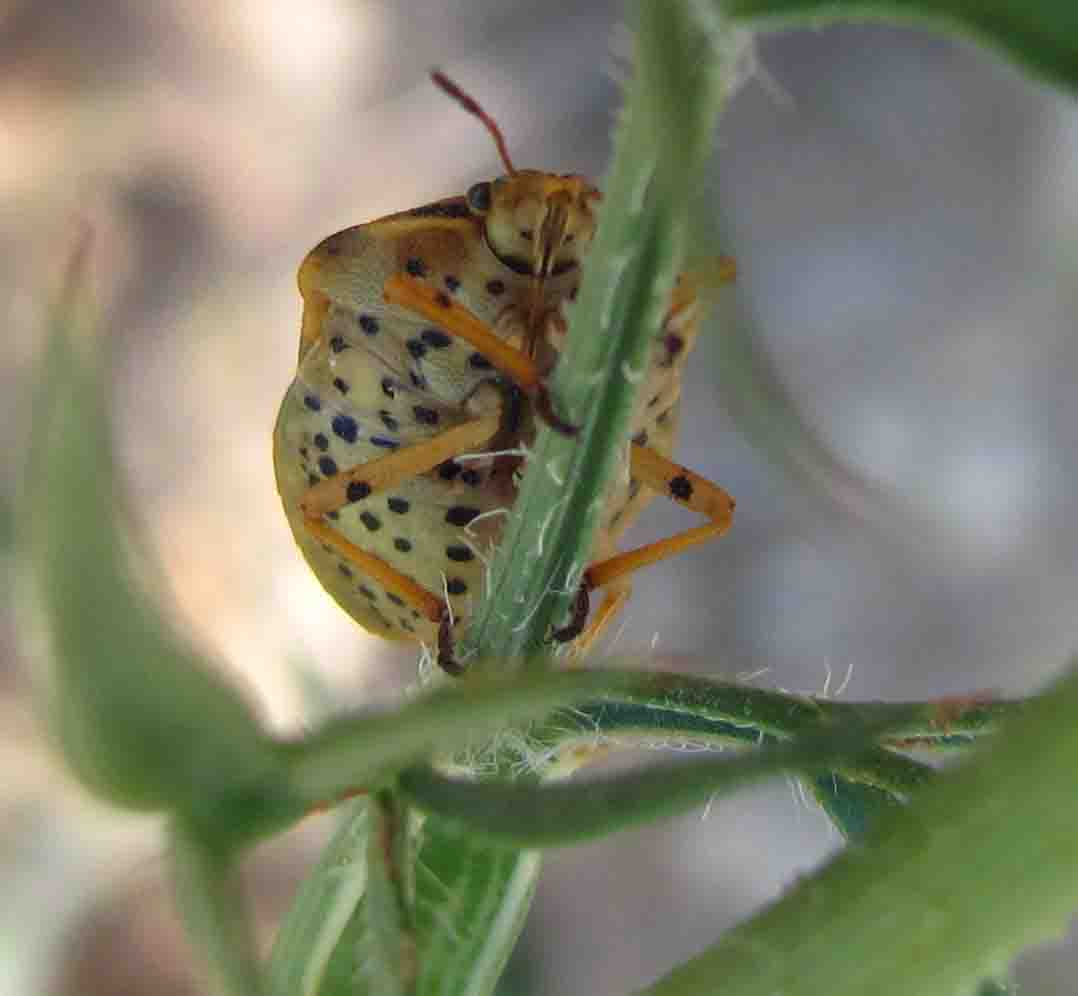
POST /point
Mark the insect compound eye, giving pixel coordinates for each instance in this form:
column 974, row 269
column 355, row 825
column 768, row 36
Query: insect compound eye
column 478, row 197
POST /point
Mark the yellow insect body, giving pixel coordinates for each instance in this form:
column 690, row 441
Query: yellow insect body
column 393, row 516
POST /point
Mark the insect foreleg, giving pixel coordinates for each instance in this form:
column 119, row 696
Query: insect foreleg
column 422, row 299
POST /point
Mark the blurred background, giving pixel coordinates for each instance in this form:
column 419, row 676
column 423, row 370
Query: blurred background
column 902, row 210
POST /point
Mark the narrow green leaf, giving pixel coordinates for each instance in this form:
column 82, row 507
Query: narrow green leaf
column 389, row 964
column 472, row 898
column 563, row 813
column 139, row 716
column 939, row 895
column 208, row 897
column 1041, row 35
column 853, row 807
column 326, row 903
column 366, row 751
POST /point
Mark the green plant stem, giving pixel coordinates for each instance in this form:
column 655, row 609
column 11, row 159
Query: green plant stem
column 939, row 895
column 660, row 149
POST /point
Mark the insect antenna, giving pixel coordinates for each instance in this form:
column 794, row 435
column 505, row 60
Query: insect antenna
column 471, row 105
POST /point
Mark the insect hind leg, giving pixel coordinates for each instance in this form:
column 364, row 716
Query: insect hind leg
column 677, row 483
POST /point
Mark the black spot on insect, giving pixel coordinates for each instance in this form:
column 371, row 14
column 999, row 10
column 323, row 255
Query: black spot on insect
column 455, row 208
column 398, row 505
column 477, row 361
column 344, row 569
column 461, row 515
column 346, row 427
column 455, row 586
column 368, row 323
column 453, row 283
column 472, row 477
column 653, row 402
column 321, row 441
column 334, row 515
column 681, row 487
column 674, row 344
column 395, row 599
column 313, row 479
column 415, row 614
column 389, row 387
column 327, row 465
column 641, row 438
column 460, row 553
column 406, row 624
column 385, row 444
column 389, row 421
column 402, row 544
column 527, row 234
column 449, row 470
column 366, row 592
column 303, row 452
column 357, row 490
column 435, row 338
column 370, row 520
column 419, row 382
column 338, row 344
column 427, row 416
column 313, row 402
column 415, row 266
column 341, row 385
column 442, row 299
column 495, row 287
column 416, row 348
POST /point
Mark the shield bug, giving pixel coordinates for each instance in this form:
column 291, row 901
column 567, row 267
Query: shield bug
column 426, row 342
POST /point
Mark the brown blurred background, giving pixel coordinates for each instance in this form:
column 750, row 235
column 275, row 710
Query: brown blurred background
column 902, row 211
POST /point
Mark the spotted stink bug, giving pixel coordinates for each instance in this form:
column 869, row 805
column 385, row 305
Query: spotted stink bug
column 427, row 340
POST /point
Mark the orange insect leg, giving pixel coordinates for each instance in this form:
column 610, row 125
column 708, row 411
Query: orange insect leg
column 684, row 487
column 361, row 480
column 424, row 300
column 419, row 297
column 415, row 595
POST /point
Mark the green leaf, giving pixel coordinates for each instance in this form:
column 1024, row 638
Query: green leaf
column 366, row 751
column 853, row 807
column 208, row 896
column 1041, row 35
column 321, row 913
column 472, row 898
column 939, row 895
column 564, row 813
column 389, row 964
column 139, row 715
